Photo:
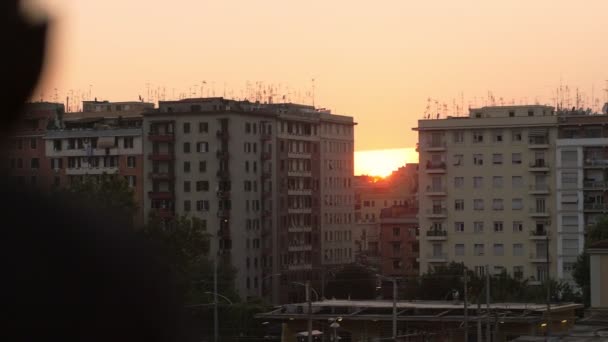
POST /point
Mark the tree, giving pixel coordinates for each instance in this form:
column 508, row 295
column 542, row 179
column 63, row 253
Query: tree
column 107, row 193
column 597, row 232
column 354, row 282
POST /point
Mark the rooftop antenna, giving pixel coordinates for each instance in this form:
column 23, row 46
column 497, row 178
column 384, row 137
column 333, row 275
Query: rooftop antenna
column 461, row 102
column 313, row 92
column 148, row 89
column 224, row 90
column 606, row 90
column 56, row 97
column 203, row 87
column 90, row 91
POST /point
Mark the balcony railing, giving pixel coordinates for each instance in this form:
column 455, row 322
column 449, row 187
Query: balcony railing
column 435, row 189
column 437, row 256
column 223, row 194
column 539, row 163
column 538, row 140
column 596, row 161
column 161, row 156
column 161, row 175
column 539, row 211
column 437, row 211
column 436, row 232
column 595, row 184
column 161, row 137
column 222, row 154
column 539, row 187
column 595, row 206
column 266, row 156
column 160, row 195
column 222, row 134
column 538, row 233
column 434, row 144
column 435, row 165
column 223, row 213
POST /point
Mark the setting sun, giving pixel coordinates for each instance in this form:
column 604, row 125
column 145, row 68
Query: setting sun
column 383, row 162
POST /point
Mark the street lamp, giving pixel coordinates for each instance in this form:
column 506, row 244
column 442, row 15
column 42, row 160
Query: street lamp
column 335, row 325
column 394, row 281
column 308, row 300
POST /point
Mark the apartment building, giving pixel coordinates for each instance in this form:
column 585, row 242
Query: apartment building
column 271, row 182
column 28, row 164
column 105, row 138
column 487, row 195
column 398, row 239
column 581, row 183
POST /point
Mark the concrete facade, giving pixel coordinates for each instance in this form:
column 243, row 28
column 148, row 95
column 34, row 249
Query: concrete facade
column 399, row 248
column 486, row 190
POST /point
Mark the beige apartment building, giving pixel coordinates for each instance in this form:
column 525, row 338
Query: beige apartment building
column 486, row 191
column 271, row 182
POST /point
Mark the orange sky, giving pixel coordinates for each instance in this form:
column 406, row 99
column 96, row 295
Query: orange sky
column 376, row 60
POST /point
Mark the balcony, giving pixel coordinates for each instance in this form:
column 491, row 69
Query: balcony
column 299, row 248
column 595, row 207
column 223, row 213
column 538, row 212
column 539, row 234
column 266, row 214
column 436, row 235
column 266, row 175
column 266, row 194
column 434, row 146
column 164, row 213
column 222, row 154
column 299, row 229
column 161, row 175
column 160, row 195
column 160, row 156
column 593, row 184
column 538, row 257
column 222, row 134
column 596, row 162
column 437, row 213
column 437, row 257
column 436, row 191
column 435, row 167
column 299, row 173
column 223, row 174
column 266, row 156
column 300, row 192
column 91, row 170
column 540, row 142
column 299, row 210
column 223, row 194
column 161, row 137
column 539, row 189
column 265, row 136
column 539, row 165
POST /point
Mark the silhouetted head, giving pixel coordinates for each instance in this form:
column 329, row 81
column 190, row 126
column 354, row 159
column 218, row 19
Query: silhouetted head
column 23, row 45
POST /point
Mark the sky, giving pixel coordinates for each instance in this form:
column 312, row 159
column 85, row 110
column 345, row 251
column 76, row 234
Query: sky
column 382, row 62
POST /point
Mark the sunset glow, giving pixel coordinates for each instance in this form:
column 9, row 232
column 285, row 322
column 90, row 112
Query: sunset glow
column 383, row 162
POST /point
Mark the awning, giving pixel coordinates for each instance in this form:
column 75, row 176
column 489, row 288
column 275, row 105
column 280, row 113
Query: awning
column 105, row 142
column 538, row 132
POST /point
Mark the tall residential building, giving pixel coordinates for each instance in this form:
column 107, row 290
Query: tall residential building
column 398, row 239
column 582, row 183
column 486, row 196
column 105, row 138
column 271, row 182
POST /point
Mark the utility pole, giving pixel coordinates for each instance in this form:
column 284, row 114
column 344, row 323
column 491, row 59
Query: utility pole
column 215, row 316
column 394, row 309
column 466, row 307
column 308, row 299
column 489, row 322
column 479, row 335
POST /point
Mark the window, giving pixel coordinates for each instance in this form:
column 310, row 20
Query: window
column 57, row 145
column 480, row 271
column 459, row 205
column 478, row 204
column 186, row 186
column 202, row 147
column 127, row 142
column 186, row 127
column 478, row 182
column 203, row 127
column 516, row 136
column 33, row 143
column 497, row 158
column 186, row 166
column 396, row 264
column 247, row 127
column 498, row 228
column 569, row 180
column 517, row 204
column 459, row 249
column 478, row 249
column 497, row 136
column 186, row 147
column 517, row 182
column 518, row 272
column 478, row 227
column 131, row 180
column 518, row 226
column 458, row 160
column 202, row 186
column 396, row 231
column 202, row 205
column 497, row 182
column 499, row 249
column 518, row 249
column 202, row 166
column 569, row 158
column 458, row 182
column 459, row 227
column 130, row 161
column 511, row 113
column 477, row 137
column 34, row 163
column 515, row 158
column 530, row 113
column 458, row 137
column 478, row 159
column 497, row 204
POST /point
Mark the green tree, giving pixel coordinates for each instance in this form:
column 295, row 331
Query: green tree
column 597, row 232
column 108, row 193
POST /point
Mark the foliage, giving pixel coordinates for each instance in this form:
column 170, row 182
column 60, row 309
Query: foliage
column 581, row 269
column 108, row 193
column 354, row 282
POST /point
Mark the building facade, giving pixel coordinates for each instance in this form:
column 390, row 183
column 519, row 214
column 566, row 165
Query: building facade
column 486, row 191
column 253, row 173
column 399, row 249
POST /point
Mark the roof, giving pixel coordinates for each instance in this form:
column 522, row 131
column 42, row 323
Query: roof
column 90, row 133
column 602, row 244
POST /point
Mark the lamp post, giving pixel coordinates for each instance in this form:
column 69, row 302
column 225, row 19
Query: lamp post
column 309, row 301
column 394, row 281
